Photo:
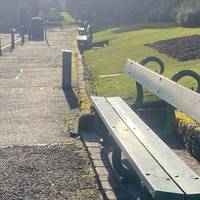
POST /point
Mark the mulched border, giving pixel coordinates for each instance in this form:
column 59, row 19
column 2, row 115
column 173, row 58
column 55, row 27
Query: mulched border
column 189, row 133
column 182, row 48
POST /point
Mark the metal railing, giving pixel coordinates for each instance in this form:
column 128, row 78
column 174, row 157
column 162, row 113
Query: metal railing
column 13, row 41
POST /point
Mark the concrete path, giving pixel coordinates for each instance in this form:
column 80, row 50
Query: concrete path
column 5, row 39
column 38, row 160
column 32, row 103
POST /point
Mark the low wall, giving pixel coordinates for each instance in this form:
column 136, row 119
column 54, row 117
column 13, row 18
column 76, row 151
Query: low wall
column 189, row 132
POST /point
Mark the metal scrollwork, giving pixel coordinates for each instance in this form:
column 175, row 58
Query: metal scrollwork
column 140, row 93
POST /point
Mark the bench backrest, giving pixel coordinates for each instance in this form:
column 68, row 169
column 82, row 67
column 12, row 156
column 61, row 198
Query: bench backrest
column 178, row 96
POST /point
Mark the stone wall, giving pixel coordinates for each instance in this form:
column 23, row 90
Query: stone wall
column 189, row 132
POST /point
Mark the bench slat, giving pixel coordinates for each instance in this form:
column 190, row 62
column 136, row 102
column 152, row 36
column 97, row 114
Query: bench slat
column 185, row 177
column 81, row 29
column 158, row 183
column 82, row 37
column 180, row 97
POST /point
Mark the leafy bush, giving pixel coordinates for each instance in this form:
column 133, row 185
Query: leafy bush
column 67, row 17
column 189, row 14
column 189, row 19
column 115, row 12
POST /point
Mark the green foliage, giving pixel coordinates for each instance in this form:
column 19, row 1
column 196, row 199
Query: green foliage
column 57, row 18
column 67, row 17
column 123, row 45
column 189, row 13
column 115, row 12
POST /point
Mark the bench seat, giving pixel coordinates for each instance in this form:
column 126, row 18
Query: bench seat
column 81, row 29
column 163, row 173
column 82, row 37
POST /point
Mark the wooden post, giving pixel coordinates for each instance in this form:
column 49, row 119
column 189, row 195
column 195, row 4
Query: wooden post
column 22, row 35
column 12, row 39
column 29, row 32
column 66, row 69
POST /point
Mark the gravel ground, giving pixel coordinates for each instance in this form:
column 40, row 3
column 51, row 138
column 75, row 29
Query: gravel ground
column 60, row 171
column 31, row 96
column 38, row 159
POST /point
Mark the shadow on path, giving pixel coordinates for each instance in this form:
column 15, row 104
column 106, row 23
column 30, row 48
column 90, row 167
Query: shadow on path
column 71, row 98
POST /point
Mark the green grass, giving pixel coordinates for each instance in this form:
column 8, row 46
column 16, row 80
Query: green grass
column 130, row 44
column 67, row 17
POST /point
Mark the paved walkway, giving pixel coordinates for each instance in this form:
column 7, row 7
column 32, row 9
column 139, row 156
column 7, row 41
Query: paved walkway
column 32, row 102
column 38, row 160
column 5, row 39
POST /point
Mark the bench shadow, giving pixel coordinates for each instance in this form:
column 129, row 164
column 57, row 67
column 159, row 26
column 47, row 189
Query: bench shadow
column 136, row 27
column 120, row 188
column 71, row 98
column 100, row 148
column 100, row 44
column 174, row 143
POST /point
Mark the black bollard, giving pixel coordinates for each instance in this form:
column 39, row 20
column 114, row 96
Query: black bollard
column 22, row 35
column 12, row 39
column 66, row 69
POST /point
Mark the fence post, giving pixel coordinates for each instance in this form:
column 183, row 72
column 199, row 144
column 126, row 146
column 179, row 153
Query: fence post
column 29, row 32
column 66, row 69
column 22, row 35
column 12, row 39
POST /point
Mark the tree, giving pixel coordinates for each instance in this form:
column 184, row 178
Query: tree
column 126, row 11
column 9, row 12
column 189, row 13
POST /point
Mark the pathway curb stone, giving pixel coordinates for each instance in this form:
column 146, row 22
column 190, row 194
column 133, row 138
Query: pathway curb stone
column 110, row 186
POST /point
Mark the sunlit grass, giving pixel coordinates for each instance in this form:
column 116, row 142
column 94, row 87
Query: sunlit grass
column 67, row 17
column 123, row 45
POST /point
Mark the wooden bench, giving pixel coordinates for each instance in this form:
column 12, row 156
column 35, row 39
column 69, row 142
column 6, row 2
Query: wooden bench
column 84, row 42
column 85, row 37
column 85, row 30
column 162, row 173
column 81, row 31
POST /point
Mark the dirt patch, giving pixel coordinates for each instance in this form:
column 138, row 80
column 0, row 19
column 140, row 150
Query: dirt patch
column 135, row 27
column 90, row 83
column 182, row 49
column 60, row 171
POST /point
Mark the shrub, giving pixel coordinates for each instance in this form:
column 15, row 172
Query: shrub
column 188, row 14
column 124, row 11
column 189, row 19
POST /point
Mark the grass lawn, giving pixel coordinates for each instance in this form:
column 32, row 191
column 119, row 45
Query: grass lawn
column 67, row 17
column 130, row 44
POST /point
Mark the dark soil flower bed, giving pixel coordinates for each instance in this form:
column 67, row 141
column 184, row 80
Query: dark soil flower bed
column 182, row 49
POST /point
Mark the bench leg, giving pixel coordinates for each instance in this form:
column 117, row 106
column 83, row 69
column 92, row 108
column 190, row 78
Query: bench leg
column 117, row 163
column 145, row 194
column 100, row 128
column 127, row 174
